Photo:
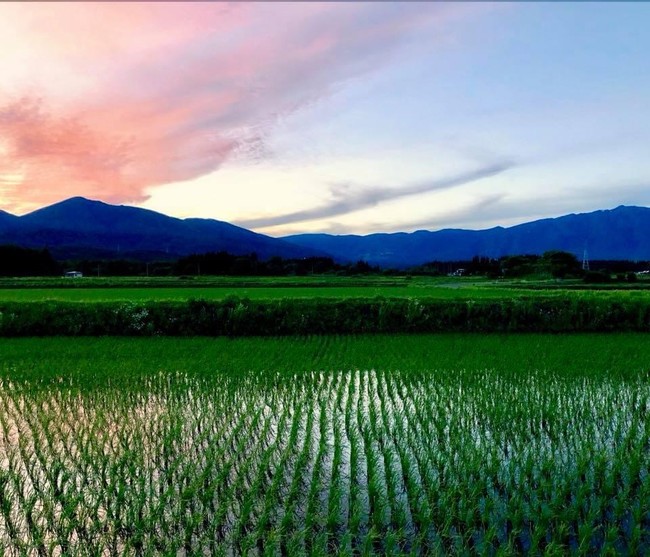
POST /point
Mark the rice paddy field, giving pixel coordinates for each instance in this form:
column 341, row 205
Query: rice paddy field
column 449, row 444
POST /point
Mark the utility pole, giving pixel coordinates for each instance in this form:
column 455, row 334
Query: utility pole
column 585, row 261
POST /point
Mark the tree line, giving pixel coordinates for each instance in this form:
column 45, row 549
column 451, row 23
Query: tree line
column 555, row 263
column 18, row 261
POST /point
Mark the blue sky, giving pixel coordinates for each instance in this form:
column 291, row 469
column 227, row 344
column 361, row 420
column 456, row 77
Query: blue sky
column 339, row 118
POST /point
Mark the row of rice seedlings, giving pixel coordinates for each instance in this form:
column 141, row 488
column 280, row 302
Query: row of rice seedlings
column 418, row 523
column 357, row 499
column 316, row 541
column 380, row 511
column 276, row 468
column 292, row 533
column 401, row 536
column 339, row 482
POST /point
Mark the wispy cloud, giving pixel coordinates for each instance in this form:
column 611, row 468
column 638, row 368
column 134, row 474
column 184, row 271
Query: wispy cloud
column 501, row 209
column 345, row 199
column 467, row 213
column 119, row 97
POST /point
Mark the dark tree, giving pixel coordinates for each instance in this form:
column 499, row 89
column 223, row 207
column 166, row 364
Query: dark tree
column 562, row 264
column 23, row 262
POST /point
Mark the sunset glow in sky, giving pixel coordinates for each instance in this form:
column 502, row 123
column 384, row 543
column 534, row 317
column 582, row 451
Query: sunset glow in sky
column 332, row 117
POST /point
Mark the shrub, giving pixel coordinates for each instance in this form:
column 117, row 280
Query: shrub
column 243, row 317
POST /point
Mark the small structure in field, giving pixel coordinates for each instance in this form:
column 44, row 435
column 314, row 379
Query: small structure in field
column 73, row 274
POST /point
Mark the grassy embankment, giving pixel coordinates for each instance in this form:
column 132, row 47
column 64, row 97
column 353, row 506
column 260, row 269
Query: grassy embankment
column 309, row 305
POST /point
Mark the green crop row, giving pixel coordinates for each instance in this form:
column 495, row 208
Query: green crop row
column 242, row 317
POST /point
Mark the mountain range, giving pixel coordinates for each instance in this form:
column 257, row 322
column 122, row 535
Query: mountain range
column 81, row 228
column 620, row 233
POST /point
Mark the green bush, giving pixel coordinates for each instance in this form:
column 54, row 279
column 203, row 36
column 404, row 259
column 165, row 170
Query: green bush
column 243, row 317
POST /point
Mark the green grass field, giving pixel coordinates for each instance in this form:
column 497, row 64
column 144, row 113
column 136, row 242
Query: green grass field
column 206, row 293
column 272, row 288
column 349, row 445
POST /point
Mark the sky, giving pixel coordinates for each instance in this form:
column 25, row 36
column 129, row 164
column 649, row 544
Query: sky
column 345, row 118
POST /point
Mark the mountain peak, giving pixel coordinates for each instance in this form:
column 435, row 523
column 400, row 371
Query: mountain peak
column 72, row 203
column 79, row 200
column 79, row 225
column 69, row 211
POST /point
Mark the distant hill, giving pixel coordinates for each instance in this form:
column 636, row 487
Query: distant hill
column 81, row 228
column 621, row 233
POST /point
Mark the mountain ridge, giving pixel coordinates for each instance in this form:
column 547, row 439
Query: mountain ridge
column 81, row 228
column 619, row 233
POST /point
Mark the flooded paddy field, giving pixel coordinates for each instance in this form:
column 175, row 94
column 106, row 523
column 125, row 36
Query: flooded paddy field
column 386, row 444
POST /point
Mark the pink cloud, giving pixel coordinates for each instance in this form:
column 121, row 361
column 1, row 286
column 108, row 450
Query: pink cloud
column 58, row 156
column 120, row 97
